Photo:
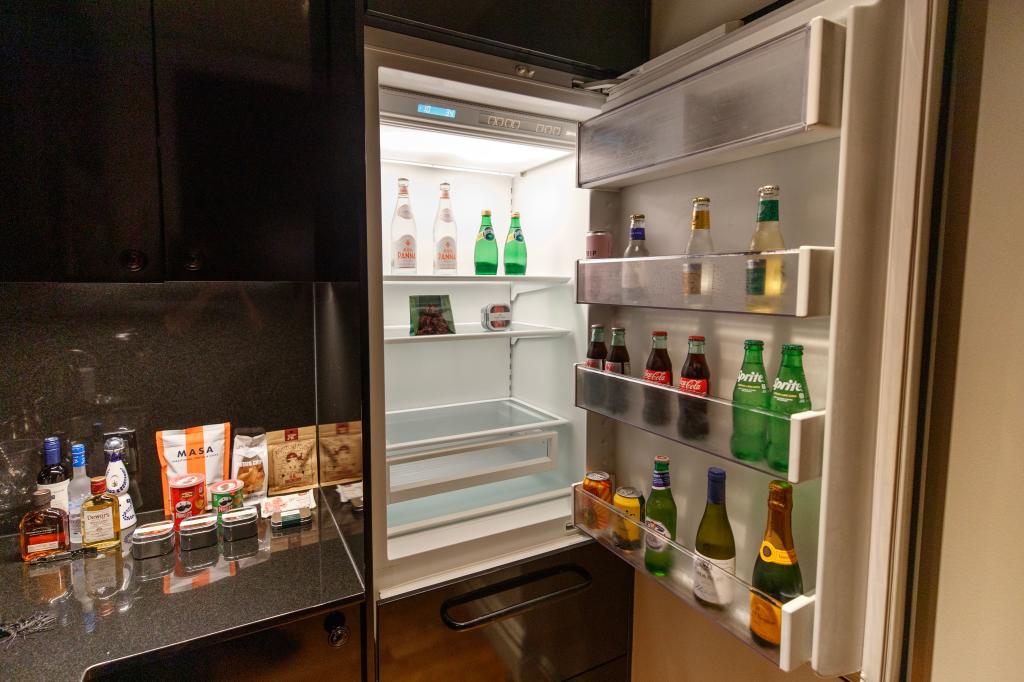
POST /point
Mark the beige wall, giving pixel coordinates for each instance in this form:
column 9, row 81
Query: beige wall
column 973, row 598
column 673, row 22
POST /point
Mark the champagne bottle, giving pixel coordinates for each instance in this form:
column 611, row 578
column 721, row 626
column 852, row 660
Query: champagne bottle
column 715, row 547
column 776, row 571
column 661, row 519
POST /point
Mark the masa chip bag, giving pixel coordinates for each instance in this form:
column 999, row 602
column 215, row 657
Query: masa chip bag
column 196, row 450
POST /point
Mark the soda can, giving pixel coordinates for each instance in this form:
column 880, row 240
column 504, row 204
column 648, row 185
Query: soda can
column 598, row 484
column 188, row 497
column 630, row 502
column 599, row 244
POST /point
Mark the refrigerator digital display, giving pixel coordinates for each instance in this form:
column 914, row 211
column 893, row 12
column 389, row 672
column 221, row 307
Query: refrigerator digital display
column 435, row 111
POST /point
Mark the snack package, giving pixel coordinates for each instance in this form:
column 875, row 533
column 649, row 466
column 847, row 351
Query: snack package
column 429, row 315
column 341, row 452
column 196, row 450
column 249, row 464
column 293, row 461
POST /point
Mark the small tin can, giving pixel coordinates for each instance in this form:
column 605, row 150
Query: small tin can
column 291, row 518
column 631, row 503
column 153, row 539
column 226, row 495
column 198, row 531
column 238, row 524
column 155, row 567
column 188, row 497
column 599, row 244
column 241, row 549
column 598, row 484
column 496, row 316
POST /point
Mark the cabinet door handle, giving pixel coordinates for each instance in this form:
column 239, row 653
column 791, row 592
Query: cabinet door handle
column 133, row 260
column 584, row 583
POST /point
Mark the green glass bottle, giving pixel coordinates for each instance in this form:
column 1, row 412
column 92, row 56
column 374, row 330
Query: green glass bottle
column 715, row 547
column 776, row 571
column 749, row 428
column 661, row 518
column 789, row 396
column 485, row 253
column 515, row 248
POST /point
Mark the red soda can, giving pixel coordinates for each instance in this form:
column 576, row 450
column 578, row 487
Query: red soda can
column 598, row 484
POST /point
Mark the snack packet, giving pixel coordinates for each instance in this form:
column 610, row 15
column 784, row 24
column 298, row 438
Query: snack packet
column 341, row 452
column 249, row 464
column 293, row 462
column 195, row 450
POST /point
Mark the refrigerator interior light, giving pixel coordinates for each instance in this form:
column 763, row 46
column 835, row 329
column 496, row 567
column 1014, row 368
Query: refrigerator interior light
column 462, row 152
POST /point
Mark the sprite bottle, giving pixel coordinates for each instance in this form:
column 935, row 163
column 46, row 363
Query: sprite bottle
column 515, row 248
column 485, row 253
column 660, row 518
column 750, row 428
column 789, row 396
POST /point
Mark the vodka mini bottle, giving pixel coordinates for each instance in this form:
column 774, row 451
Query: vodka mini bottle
column 403, row 233
column 79, row 491
column 445, row 235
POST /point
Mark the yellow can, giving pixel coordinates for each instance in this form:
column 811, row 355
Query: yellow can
column 626, row 534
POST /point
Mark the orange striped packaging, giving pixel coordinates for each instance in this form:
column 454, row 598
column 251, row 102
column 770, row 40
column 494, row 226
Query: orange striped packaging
column 196, row 450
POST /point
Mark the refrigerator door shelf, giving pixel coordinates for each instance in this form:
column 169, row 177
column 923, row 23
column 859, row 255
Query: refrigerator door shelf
column 722, row 282
column 609, row 526
column 473, row 330
column 443, row 424
column 660, row 409
column 476, row 279
column 438, row 470
column 784, row 93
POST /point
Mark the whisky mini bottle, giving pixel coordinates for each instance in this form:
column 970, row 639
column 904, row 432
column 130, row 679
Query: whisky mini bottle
column 44, row 529
column 101, row 517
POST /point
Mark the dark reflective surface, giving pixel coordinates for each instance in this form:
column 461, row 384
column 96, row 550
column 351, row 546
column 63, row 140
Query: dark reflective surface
column 113, row 606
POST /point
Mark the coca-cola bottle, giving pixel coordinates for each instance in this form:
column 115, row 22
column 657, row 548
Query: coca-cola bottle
column 595, row 391
column 694, row 379
column 617, row 362
column 659, row 371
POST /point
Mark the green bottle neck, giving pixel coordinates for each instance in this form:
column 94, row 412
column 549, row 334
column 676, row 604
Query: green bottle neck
column 618, row 338
column 514, row 225
column 485, row 221
column 768, row 210
column 597, row 335
column 696, row 347
column 753, row 356
column 659, row 342
column 792, row 360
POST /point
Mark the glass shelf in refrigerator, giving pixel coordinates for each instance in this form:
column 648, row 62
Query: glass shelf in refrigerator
column 701, row 422
column 475, row 279
column 720, row 282
column 627, row 538
column 442, row 424
column 465, row 331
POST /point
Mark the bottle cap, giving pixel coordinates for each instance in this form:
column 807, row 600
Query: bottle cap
column 515, row 214
column 51, row 450
column 702, row 200
column 637, row 216
column 716, row 474
column 716, row 485
column 597, row 326
column 77, row 449
column 661, row 462
column 98, row 484
column 696, row 338
column 41, row 497
column 753, row 343
column 485, row 212
column 792, row 347
column 403, row 181
column 659, row 333
column 114, row 448
column 445, row 186
column 768, row 191
column 618, row 329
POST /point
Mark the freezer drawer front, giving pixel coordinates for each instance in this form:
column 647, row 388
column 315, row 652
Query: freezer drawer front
column 551, row 618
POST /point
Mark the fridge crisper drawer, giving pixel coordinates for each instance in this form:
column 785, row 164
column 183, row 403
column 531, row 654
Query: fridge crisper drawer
column 784, row 93
column 550, row 618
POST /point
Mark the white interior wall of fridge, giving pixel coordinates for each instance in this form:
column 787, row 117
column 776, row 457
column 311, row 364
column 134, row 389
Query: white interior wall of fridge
column 808, row 178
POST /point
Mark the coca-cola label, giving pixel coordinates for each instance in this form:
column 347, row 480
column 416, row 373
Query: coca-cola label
column 444, row 253
column 694, row 386
column 616, row 367
column 658, row 376
column 596, row 363
column 403, row 252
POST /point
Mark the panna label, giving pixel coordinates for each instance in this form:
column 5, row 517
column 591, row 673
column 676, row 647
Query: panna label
column 711, row 579
column 403, row 252
column 444, row 254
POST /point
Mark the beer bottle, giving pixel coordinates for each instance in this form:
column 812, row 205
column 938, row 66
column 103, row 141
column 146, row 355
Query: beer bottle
column 403, row 233
column 750, row 428
column 594, row 389
column 776, row 571
column 661, row 519
column 715, row 547
column 789, row 396
column 764, row 273
column 485, row 253
column 695, row 379
column 659, row 371
column 445, row 235
column 515, row 248
column 697, row 275
column 618, row 363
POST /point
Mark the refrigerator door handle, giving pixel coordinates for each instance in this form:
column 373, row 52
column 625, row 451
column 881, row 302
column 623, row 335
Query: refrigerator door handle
column 584, row 583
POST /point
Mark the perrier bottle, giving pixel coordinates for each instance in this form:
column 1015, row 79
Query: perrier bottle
column 515, row 248
column 660, row 518
column 485, row 253
column 776, row 571
column 749, row 427
column 789, row 396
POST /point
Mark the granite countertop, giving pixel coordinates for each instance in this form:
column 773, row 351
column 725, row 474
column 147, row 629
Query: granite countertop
column 111, row 608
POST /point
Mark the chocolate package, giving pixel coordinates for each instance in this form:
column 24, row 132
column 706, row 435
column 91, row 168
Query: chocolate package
column 341, row 452
column 430, row 315
column 293, row 460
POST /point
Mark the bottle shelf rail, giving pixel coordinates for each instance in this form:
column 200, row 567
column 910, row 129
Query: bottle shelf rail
column 701, row 422
column 627, row 538
column 803, row 290
column 465, row 331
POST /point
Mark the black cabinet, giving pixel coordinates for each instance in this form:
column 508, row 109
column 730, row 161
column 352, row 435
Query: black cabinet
column 78, row 145
column 596, row 38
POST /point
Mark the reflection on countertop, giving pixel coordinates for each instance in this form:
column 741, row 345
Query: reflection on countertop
column 112, row 607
